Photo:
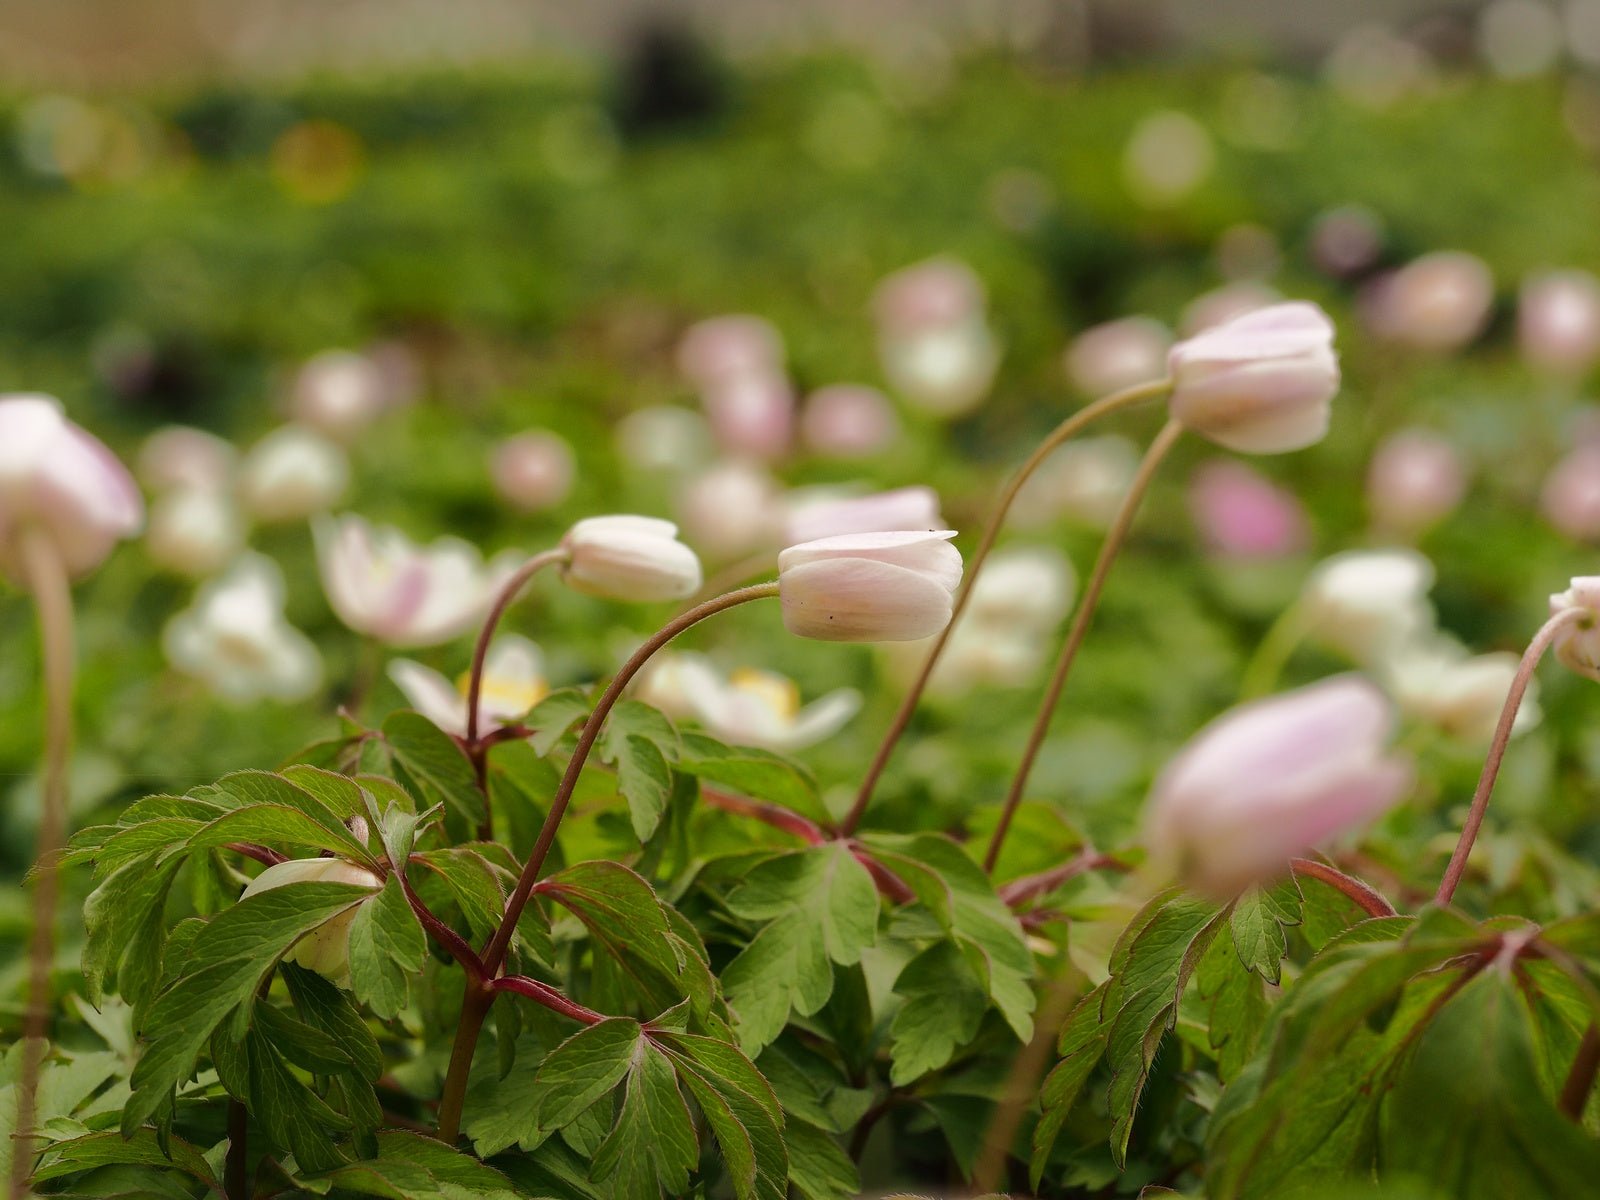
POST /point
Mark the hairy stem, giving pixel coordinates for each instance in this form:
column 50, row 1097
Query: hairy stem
column 1008, row 495
column 479, row 996
column 1548, row 632
column 476, row 750
column 1368, row 898
column 46, row 578
column 1115, row 536
column 1580, row 1079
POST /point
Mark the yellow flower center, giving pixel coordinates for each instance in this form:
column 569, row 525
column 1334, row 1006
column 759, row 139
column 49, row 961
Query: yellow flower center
column 506, row 695
column 776, row 692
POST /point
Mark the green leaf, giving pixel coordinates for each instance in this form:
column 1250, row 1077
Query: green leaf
column 246, row 789
column 328, row 1008
column 653, row 1142
column 741, row 1110
column 582, row 1069
column 410, row 1166
column 554, row 715
column 141, row 1148
column 1257, row 923
column 784, row 969
column 645, row 780
column 751, row 772
column 1236, row 1006
column 433, row 761
column 228, row 960
column 810, row 1086
column 818, row 1168
column 946, row 994
column 1082, row 1045
column 125, row 931
column 387, row 947
column 293, row 1116
column 473, row 886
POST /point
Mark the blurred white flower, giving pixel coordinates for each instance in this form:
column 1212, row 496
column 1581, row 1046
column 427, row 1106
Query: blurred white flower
column 1558, row 321
column 1085, row 481
column 234, row 637
column 533, row 471
column 1022, row 589
column 383, row 585
column 1416, row 479
column 1118, row 354
column 291, row 474
column 180, row 456
column 812, row 517
column 1570, row 497
column 513, row 682
column 1438, row 302
column 720, row 348
column 194, row 531
column 731, row 508
column 1226, row 303
column 338, row 393
column 747, row 707
column 1346, row 241
column 1366, row 603
column 849, row 420
column 751, row 413
column 664, row 438
column 1167, row 157
column 934, row 340
column 1439, row 682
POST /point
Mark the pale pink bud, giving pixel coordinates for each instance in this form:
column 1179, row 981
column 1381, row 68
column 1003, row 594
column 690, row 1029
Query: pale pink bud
column 1346, row 241
column 1578, row 644
column 60, row 480
column 1558, row 321
column 1243, row 515
column 870, row 587
column 338, row 393
column 936, row 292
column 904, row 508
column 1570, row 498
column 751, row 412
column 382, row 584
column 933, row 340
column 1117, row 355
column 1261, row 384
column 1226, row 303
column 326, row 949
column 182, row 457
column 720, row 347
column 533, row 471
column 1270, row 780
column 630, row 558
column 1438, row 302
column 731, row 509
column 665, row 438
column 849, row 420
column 1415, row 480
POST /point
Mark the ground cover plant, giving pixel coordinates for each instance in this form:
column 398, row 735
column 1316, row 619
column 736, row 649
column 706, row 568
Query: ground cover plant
column 961, row 631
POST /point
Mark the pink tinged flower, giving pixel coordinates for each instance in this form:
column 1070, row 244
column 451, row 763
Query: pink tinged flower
column 933, row 339
column 1438, row 302
column 1243, row 515
column 903, row 508
column 751, row 413
column 235, row 639
column 1558, row 321
column 631, row 558
column 339, row 393
column 731, row 509
column 936, row 292
column 1578, row 644
column 849, row 420
column 383, row 585
column 326, row 949
column 1261, row 384
column 870, row 587
column 533, row 471
column 513, row 682
column 1416, row 479
column 1117, row 355
column 291, row 474
column 720, row 348
column 1226, row 303
column 1023, row 590
column 1084, row 480
column 183, row 457
column 747, row 707
column 1570, row 498
column 60, row 480
column 1270, row 780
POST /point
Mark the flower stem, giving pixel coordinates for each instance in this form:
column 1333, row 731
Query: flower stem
column 1366, row 897
column 1547, row 634
column 477, row 751
column 1115, row 536
column 236, row 1178
column 1272, row 654
column 1008, row 495
column 46, row 577
column 479, row 996
column 1030, row 887
column 1580, row 1079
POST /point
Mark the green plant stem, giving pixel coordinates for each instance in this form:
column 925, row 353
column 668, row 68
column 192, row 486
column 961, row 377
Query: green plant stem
column 1115, row 536
column 1548, row 632
column 480, row 994
column 475, row 746
column 1272, row 653
column 1008, row 495
column 46, row 578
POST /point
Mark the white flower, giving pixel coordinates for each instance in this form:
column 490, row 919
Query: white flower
column 1026, row 589
column 194, row 531
column 291, row 474
column 534, row 470
column 748, row 707
column 1439, row 683
column 630, row 558
column 513, row 682
column 57, row 478
column 870, row 587
column 731, row 508
column 1578, row 645
column 385, row 586
column 339, row 393
column 326, row 949
column 933, row 339
column 1368, row 602
column 182, row 457
column 234, row 637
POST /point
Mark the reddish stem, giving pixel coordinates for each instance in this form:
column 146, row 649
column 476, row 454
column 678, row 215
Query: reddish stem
column 548, row 996
column 1030, row 887
column 1370, row 900
column 262, row 854
column 775, row 815
column 1457, row 867
column 1580, row 1079
column 888, row 883
column 454, row 944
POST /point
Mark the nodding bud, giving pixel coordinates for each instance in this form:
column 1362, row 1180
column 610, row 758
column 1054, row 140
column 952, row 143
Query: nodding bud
column 870, row 587
column 1577, row 645
column 326, row 949
column 904, row 508
column 630, row 558
column 1262, row 383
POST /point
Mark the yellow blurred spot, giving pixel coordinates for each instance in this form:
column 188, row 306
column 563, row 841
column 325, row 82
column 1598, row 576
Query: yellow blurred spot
column 507, row 695
column 317, row 162
column 778, row 693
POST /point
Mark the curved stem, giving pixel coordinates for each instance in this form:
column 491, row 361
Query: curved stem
column 774, row 815
column 1548, row 632
column 477, row 747
column 1272, row 653
column 1368, row 898
column 46, row 577
column 1580, row 1079
column 1008, row 495
column 1115, row 536
column 1029, row 887
column 479, row 996
column 752, row 566
column 543, row 993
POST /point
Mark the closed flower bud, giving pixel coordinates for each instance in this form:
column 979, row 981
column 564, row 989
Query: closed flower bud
column 933, row 339
column 1367, row 602
column 326, row 949
column 533, row 471
column 722, row 347
column 630, row 558
column 1578, row 644
column 58, row 479
column 291, row 474
column 183, row 457
column 1243, row 515
column 751, row 413
column 1439, row 683
column 1261, row 384
column 1570, row 498
column 730, row 509
column 870, row 587
column 848, row 420
column 339, row 393
column 1269, row 780
column 903, row 508
column 1438, row 302
column 194, row 531
column 1558, row 321
column 1415, row 480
